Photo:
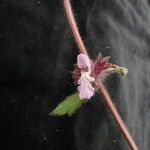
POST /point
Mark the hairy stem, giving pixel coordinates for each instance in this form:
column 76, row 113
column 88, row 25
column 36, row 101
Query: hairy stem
column 106, row 98
column 74, row 27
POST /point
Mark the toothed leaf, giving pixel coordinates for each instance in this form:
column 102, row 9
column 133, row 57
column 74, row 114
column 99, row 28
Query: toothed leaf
column 68, row 106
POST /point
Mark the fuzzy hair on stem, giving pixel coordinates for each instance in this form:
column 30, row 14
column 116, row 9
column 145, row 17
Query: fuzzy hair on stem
column 102, row 90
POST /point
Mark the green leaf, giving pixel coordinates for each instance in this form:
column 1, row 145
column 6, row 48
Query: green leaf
column 68, row 106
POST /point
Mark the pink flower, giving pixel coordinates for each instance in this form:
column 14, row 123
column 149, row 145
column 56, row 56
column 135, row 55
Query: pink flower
column 83, row 62
column 86, row 72
column 86, row 91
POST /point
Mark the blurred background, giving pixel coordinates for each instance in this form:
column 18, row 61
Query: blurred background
column 37, row 53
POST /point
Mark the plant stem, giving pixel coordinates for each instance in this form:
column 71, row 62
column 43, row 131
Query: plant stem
column 106, row 98
column 74, row 27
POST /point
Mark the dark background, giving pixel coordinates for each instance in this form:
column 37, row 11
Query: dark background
column 37, row 53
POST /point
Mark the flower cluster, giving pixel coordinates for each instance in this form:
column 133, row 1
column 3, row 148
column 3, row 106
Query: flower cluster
column 87, row 73
column 85, row 87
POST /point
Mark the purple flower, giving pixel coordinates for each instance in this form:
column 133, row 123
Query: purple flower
column 83, row 62
column 86, row 91
column 88, row 72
